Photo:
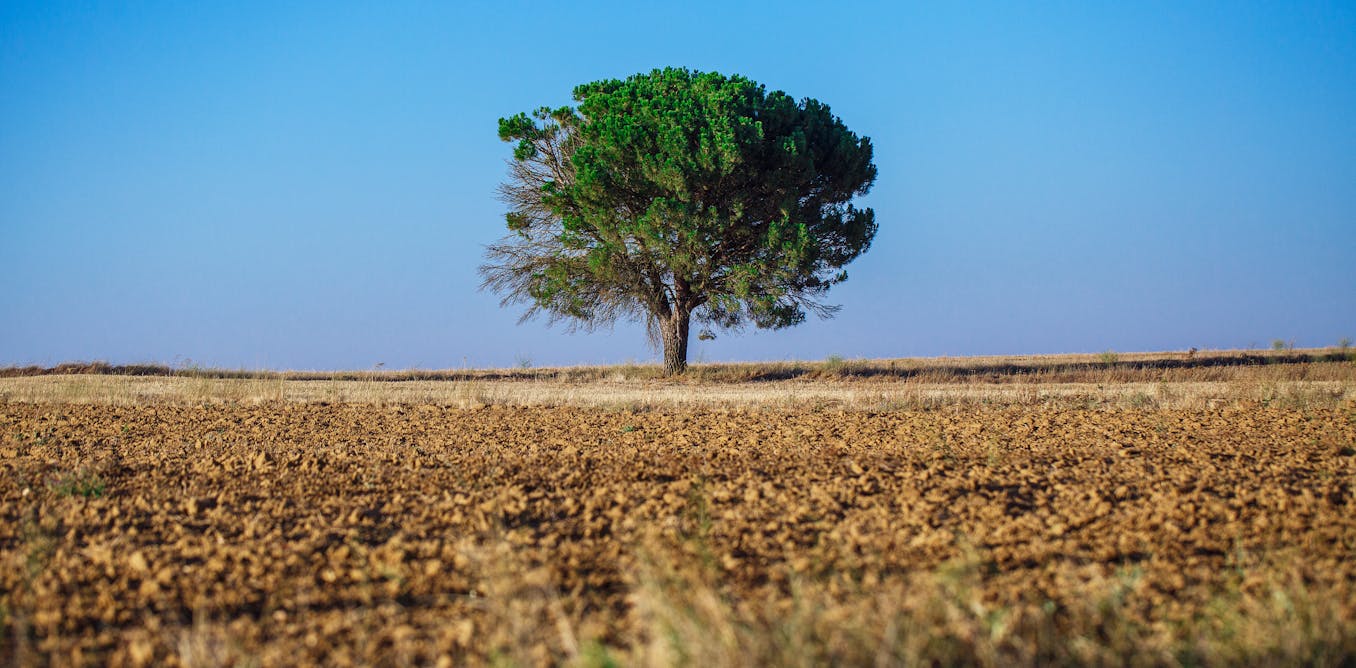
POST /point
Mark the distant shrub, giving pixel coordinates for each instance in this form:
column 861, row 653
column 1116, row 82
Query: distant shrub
column 1109, row 357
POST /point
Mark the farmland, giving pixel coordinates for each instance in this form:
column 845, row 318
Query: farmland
column 1146, row 509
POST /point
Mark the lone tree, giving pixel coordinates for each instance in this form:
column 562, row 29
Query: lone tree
column 677, row 195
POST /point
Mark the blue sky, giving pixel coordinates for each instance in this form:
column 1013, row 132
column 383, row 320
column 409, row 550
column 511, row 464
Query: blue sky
column 311, row 186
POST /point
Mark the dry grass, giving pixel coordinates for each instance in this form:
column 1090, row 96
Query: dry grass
column 1137, row 380
column 686, row 616
column 685, row 612
column 1067, row 368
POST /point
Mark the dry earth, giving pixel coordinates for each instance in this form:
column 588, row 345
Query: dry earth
column 288, row 533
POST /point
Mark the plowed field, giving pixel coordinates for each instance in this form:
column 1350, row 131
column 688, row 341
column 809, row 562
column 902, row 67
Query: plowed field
column 309, row 533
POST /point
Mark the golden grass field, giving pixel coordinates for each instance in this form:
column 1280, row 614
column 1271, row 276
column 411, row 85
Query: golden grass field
column 1138, row 379
column 1131, row 509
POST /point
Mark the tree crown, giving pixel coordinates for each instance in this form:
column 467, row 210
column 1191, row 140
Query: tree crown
column 681, row 192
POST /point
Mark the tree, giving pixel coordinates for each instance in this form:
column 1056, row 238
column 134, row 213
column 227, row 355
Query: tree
column 677, row 195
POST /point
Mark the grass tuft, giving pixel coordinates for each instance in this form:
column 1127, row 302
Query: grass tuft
column 82, row 483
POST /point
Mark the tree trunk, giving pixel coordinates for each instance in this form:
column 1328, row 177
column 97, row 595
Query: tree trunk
column 675, row 341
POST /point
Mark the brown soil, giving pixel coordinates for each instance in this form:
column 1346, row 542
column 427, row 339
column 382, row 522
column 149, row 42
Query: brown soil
column 311, row 533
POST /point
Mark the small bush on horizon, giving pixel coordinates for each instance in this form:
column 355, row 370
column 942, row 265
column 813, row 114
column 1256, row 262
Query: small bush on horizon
column 1281, row 345
column 1109, row 357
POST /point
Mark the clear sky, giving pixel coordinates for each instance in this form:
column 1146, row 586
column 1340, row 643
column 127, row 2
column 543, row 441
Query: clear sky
column 310, row 186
